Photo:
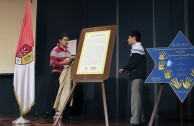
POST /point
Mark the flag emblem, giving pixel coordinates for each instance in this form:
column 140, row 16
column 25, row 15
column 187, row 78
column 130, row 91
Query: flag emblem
column 24, row 55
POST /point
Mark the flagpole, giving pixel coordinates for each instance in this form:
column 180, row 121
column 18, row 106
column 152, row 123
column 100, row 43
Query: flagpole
column 20, row 120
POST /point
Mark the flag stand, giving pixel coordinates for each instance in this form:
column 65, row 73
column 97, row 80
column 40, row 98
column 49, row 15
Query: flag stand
column 20, row 120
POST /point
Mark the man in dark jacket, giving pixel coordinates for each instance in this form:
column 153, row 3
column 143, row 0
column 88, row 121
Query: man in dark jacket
column 136, row 68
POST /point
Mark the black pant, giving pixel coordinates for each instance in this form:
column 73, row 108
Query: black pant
column 52, row 94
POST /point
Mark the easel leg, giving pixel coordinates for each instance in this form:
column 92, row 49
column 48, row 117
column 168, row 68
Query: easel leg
column 105, row 105
column 156, row 105
column 61, row 111
column 181, row 114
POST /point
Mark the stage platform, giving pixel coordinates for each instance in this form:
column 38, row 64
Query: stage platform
column 81, row 121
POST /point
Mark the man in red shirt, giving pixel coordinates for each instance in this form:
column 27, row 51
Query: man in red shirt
column 59, row 57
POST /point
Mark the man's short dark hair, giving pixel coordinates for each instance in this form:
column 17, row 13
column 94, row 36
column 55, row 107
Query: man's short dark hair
column 135, row 34
column 61, row 35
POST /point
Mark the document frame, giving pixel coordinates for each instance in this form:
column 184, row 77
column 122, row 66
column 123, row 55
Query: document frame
column 89, row 66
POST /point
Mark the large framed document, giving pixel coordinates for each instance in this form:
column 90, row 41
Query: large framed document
column 94, row 54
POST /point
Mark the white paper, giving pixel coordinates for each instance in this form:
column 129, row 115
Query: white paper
column 72, row 44
column 94, row 51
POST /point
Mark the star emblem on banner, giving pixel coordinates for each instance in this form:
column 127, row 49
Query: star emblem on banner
column 174, row 65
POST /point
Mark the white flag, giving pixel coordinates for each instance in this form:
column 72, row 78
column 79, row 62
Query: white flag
column 24, row 77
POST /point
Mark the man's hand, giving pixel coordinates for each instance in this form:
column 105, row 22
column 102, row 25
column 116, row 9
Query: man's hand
column 121, row 70
column 67, row 61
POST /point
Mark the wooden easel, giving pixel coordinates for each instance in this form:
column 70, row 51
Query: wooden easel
column 156, row 107
column 92, row 77
column 71, row 92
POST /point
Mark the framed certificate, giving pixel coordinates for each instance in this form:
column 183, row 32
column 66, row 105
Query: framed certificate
column 94, row 54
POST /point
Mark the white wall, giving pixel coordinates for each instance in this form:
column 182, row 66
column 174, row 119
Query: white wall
column 11, row 17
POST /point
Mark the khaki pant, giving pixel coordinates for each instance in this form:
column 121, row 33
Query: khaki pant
column 64, row 89
column 137, row 116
